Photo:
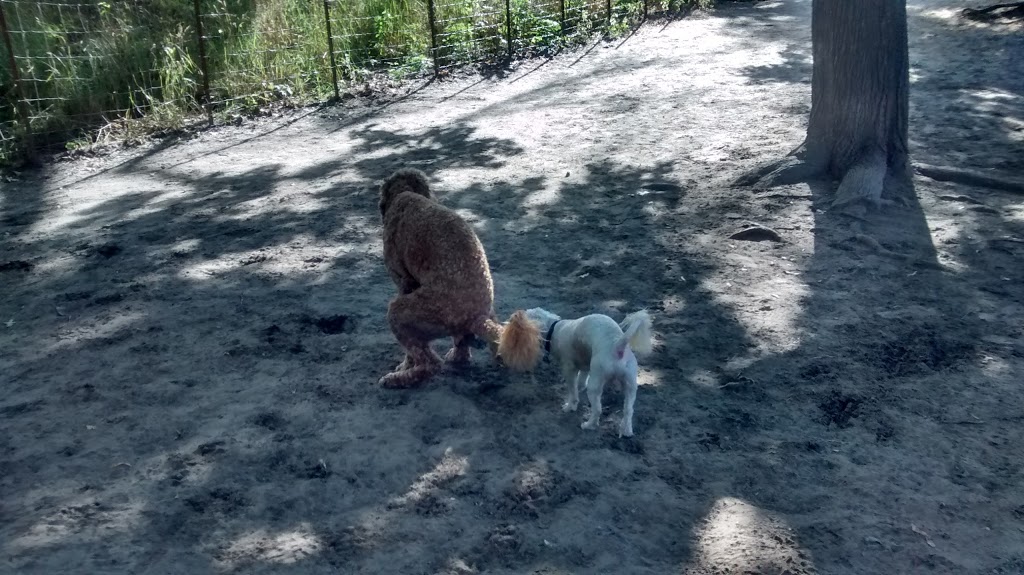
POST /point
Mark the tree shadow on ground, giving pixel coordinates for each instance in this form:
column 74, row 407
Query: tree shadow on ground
column 270, row 451
column 252, row 313
column 890, row 374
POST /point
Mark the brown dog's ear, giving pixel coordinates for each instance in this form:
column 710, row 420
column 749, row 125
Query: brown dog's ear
column 403, row 180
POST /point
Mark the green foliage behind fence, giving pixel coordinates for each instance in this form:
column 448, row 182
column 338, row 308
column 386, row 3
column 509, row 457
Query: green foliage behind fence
column 90, row 67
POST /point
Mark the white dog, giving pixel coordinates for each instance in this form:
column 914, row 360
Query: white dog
column 597, row 351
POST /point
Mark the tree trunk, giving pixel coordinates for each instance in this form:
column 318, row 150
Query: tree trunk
column 859, row 95
column 859, row 102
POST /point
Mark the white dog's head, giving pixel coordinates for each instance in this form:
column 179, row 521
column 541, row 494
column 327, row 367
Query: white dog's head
column 542, row 317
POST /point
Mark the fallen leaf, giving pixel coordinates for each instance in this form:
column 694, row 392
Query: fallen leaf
column 920, row 532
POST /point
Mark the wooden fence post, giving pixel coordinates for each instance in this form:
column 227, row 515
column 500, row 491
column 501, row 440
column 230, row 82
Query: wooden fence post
column 508, row 28
column 330, row 47
column 203, row 65
column 433, row 34
column 30, row 148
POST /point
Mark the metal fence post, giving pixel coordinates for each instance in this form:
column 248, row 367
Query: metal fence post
column 562, row 4
column 645, row 9
column 330, row 47
column 30, row 148
column 203, row 66
column 609, row 13
column 433, row 34
column 508, row 27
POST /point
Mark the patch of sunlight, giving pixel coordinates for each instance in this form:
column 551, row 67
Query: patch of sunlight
column 375, row 523
column 477, row 221
column 58, row 265
column 533, row 219
column 1015, row 128
column 704, row 378
column 204, row 270
column 450, row 467
column 736, row 364
column 770, row 311
column 88, row 329
column 990, row 94
column 995, row 367
column 648, row 377
column 458, row 565
column 673, row 304
column 1015, row 213
column 545, row 197
column 997, row 103
column 532, row 477
column 655, row 208
column 365, row 225
column 282, row 548
column 952, row 234
column 295, row 203
column 945, row 14
column 186, row 245
column 737, row 537
column 287, row 259
column 179, row 248
column 84, row 519
column 334, row 273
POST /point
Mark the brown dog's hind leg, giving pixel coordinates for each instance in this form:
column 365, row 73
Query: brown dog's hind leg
column 460, row 352
column 424, row 363
column 406, row 364
column 414, row 321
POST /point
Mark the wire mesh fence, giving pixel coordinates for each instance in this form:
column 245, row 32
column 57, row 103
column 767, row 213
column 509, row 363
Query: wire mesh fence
column 375, row 35
column 537, row 26
column 259, row 51
column 73, row 66
column 76, row 71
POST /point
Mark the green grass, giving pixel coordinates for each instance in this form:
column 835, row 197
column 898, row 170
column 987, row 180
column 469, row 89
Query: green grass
column 95, row 69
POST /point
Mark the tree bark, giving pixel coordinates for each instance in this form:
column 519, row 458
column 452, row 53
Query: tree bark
column 857, row 132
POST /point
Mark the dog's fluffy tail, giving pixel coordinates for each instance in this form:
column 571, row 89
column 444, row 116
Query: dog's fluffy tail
column 636, row 333
column 517, row 342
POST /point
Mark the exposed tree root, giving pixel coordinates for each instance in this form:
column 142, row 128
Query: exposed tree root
column 860, row 189
column 1007, row 10
column 863, row 182
column 969, row 178
column 793, row 168
column 882, row 250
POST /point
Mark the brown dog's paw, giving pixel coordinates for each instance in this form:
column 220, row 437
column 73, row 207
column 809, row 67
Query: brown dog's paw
column 406, row 378
column 458, row 356
column 394, row 380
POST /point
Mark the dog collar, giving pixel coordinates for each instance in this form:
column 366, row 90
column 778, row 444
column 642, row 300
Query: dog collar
column 547, row 339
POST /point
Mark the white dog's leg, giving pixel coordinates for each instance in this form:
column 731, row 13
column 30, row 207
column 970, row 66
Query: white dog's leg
column 595, row 386
column 629, row 396
column 572, row 400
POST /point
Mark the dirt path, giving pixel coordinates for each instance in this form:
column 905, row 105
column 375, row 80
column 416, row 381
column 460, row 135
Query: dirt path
column 191, row 338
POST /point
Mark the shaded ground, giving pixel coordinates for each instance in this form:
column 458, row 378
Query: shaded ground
column 192, row 332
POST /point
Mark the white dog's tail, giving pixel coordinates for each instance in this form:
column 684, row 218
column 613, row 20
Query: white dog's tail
column 636, row 333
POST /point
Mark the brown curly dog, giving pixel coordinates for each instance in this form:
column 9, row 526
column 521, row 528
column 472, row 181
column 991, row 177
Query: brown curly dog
column 444, row 285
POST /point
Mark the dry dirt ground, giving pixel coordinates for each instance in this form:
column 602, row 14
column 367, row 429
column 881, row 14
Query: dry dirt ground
column 192, row 331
